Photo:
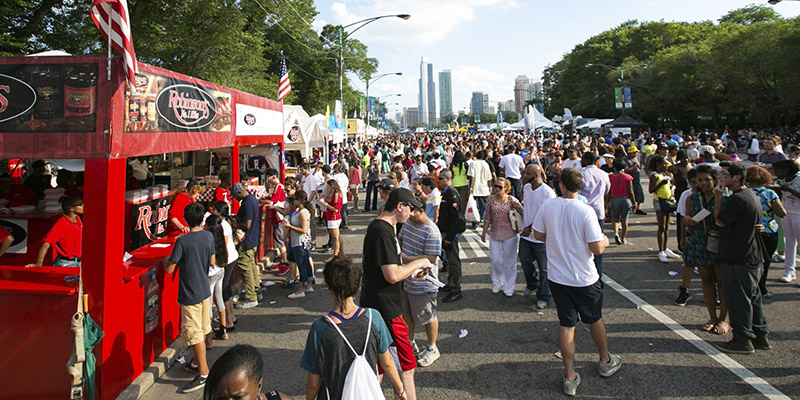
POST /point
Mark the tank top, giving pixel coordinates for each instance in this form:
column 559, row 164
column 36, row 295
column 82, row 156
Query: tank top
column 356, row 178
column 460, row 175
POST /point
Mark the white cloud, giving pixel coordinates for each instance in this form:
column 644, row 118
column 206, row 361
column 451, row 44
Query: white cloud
column 430, row 21
column 318, row 24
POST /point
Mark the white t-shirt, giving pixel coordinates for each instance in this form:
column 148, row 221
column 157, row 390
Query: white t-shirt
column 574, row 164
column 418, row 170
column 513, row 164
column 227, row 231
column 570, row 225
column 682, row 202
column 481, row 175
column 533, row 201
column 310, row 185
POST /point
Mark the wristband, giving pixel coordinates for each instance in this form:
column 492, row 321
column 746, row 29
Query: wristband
column 401, row 393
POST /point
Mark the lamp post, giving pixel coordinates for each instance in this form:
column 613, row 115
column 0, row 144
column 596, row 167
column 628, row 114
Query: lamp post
column 343, row 36
column 369, row 105
column 621, row 72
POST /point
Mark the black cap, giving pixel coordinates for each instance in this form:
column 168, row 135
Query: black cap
column 570, row 148
column 402, row 195
column 386, row 184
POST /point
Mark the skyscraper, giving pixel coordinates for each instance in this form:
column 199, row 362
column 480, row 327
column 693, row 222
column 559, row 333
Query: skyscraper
column 445, row 93
column 476, row 105
column 523, row 91
column 486, row 103
column 427, row 93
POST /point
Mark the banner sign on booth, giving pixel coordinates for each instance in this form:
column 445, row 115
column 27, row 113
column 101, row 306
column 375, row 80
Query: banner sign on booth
column 48, row 97
column 257, row 121
column 149, row 221
column 18, row 228
column 626, row 96
column 166, row 104
column 618, row 98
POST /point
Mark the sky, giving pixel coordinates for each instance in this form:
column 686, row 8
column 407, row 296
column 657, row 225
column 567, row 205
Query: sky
column 488, row 43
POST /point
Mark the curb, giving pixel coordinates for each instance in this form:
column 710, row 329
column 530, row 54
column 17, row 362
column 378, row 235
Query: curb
column 148, row 377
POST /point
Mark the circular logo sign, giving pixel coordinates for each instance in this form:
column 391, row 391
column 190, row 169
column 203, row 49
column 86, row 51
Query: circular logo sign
column 293, row 134
column 186, row 106
column 15, row 230
column 250, row 119
column 16, row 97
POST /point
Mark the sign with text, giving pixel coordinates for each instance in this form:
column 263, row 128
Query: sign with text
column 166, row 104
column 149, row 221
column 618, row 98
column 257, row 121
column 626, row 98
column 48, row 97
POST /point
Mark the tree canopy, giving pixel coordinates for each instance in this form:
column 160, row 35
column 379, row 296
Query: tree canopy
column 235, row 43
column 739, row 71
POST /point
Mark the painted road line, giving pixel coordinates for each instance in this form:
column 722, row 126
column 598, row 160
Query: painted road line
column 732, row 365
column 474, row 243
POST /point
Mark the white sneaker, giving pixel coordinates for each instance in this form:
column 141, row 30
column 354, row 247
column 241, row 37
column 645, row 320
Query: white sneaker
column 296, row 295
column 788, row 276
column 428, row 357
column 662, row 256
column 496, row 289
column 671, row 254
column 246, row 305
column 541, row 304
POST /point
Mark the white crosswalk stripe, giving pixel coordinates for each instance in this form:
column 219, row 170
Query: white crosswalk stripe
column 475, row 243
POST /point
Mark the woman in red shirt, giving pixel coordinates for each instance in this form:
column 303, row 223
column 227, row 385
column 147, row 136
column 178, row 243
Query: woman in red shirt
column 622, row 199
column 65, row 236
column 333, row 214
column 183, row 197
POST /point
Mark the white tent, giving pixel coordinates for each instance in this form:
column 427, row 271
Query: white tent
column 596, row 124
column 311, row 133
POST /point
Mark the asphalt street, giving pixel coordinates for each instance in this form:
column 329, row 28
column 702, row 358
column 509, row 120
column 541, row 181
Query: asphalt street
column 508, row 352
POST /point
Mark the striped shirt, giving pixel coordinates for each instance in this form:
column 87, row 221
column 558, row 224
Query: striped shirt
column 420, row 240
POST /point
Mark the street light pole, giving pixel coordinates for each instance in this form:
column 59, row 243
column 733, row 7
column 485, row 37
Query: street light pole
column 369, row 108
column 621, row 72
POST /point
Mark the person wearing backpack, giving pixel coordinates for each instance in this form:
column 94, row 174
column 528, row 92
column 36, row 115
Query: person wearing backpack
column 345, row 345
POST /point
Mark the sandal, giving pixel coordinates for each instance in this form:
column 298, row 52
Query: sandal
column 708, row 326
column 721, row 329
column 221, row 333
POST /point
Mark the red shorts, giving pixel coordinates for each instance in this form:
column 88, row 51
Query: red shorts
column 401, row 345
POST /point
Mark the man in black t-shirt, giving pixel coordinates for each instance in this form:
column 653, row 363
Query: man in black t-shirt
column 384, row 274
column 740, row 258
column 248, row 219
column 193, row 253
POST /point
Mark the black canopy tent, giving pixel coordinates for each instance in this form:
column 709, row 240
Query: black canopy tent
column 625, row 121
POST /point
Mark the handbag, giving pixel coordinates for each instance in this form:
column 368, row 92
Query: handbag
column 516, row 220
column 472, row 214
column 712, row 235
column 668, row 205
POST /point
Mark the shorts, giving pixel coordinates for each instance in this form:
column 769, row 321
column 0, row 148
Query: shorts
column 354, row 186
column 400, row 348
column 571, row 302
column 620, row 208
column 420, row 307
column 195, row 322
column 334, row 224
column 656, row 204
column 277, row 236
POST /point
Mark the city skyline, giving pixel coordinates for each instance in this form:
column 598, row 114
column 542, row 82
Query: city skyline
column 475, row 23
column 427, row 93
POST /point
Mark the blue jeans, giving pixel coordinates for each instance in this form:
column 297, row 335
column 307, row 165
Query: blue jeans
column 515, row 186
column 372, row 194
column 63, row 262
column 528, row 253
column 481, row 203
column 598, row 260
column 302, row 257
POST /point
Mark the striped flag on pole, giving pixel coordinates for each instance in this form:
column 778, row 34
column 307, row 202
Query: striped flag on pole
column 284, row 87
column 111, row 18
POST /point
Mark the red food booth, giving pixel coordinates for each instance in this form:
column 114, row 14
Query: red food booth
column 65, row 107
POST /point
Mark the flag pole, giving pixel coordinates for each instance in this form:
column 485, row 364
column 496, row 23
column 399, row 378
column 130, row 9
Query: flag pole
column 110, row 32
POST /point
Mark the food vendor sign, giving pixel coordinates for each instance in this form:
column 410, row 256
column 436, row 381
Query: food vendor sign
column 149, row 221
column 48, row 97
column 167, row 104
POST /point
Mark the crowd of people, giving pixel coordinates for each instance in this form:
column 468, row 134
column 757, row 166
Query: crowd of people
column 542, row 200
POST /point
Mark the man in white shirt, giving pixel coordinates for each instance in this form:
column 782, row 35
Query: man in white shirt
column 418, row 169
column 569, row 229
column 512, row 164
column 535, row 194
column 595, row 188
column 480, row 181
column 572, row 160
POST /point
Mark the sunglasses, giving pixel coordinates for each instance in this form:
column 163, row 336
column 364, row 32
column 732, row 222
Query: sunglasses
column 499, row 187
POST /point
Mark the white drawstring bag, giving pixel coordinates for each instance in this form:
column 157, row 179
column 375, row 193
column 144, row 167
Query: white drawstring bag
column 472, row 214
column 361, row 382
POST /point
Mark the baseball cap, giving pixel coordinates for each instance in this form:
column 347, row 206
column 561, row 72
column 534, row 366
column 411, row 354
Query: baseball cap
column 633, row 149
column 386, row 184
column 663, row 145
column 403, row 195
column 707, row 149
column 571, row 149
column 608, row 155
column 236, row 188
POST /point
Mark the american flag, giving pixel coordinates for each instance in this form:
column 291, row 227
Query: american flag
column 112, row 16
column 284, row 87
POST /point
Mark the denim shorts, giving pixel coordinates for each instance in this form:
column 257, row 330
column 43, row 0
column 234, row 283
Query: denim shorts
column 620, row 208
